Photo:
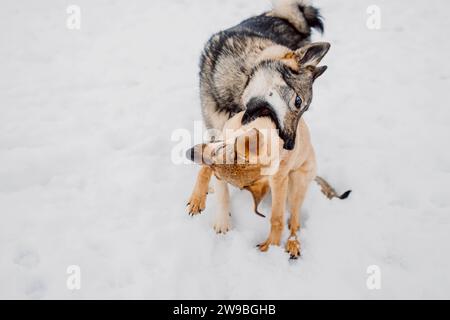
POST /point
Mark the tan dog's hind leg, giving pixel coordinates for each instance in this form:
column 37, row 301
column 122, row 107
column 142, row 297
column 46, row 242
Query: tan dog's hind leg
column 197, row 202
column 222, row 217
column 278, row 185
column 299, row 181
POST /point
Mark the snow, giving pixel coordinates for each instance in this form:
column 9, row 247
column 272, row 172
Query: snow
column 87, row 178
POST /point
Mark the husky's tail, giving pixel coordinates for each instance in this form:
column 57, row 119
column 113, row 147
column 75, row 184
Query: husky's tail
column 300, row 13
column 328, row 190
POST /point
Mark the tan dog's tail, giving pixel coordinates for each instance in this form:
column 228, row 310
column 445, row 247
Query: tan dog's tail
column 328, row 190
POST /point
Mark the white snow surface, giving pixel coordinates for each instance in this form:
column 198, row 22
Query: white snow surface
column 87, row 179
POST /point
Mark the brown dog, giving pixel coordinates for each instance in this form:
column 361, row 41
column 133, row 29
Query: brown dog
column 252, row 157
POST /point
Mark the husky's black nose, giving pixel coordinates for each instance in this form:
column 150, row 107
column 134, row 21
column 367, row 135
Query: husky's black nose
column 289, row 144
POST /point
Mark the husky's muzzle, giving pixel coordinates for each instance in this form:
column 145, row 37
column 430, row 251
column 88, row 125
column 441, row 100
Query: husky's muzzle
column 257, row 108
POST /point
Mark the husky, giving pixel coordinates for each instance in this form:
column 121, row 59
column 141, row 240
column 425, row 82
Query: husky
column 264, row 66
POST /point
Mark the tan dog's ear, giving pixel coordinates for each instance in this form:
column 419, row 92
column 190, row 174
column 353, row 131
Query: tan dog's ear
column 249, row 145
column 200, row 154
column 255, row 139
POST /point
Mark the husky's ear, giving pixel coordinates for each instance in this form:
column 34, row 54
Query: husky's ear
column 311, row 54
column 319, row 71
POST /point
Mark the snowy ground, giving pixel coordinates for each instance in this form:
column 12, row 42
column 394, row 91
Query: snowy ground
column 86, row 176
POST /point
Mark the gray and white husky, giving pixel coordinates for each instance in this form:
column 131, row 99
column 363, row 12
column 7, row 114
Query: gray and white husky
column 266, row 66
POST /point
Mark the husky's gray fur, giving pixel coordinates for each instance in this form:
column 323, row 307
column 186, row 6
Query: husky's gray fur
column 266, row 65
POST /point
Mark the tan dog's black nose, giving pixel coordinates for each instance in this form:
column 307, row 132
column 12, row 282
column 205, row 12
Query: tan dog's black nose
column 190, row 154
column 196, row 154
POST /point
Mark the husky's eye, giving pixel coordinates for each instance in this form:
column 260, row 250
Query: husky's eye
column 298, row 102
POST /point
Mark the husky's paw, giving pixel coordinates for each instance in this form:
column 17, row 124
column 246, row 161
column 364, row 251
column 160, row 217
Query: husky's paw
column 293, row 247
column 222, row 226
column 196, row 204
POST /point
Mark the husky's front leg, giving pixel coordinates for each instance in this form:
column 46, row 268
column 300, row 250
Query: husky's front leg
column 278, row 185
column 222, row 217
column 197, row 202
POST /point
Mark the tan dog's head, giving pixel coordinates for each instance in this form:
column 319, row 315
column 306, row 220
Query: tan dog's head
column 280, row 87
column 242, row 155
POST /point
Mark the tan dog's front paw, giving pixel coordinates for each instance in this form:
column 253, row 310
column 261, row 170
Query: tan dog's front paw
column 293, row 247
column 263, row 247
column 196, row 204
column 222, row 227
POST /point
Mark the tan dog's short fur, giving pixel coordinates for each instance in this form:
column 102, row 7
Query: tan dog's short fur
column 288, row 183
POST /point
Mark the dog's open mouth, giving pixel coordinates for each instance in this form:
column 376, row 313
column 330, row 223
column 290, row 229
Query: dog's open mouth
column 263, row 110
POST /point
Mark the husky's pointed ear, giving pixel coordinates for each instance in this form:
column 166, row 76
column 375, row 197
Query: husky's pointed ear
column 311, row 54
column 319, row 71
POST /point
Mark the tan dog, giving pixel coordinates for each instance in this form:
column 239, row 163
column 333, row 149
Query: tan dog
column 252, row 157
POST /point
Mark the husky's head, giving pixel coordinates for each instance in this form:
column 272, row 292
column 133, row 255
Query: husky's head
column 280, row 87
